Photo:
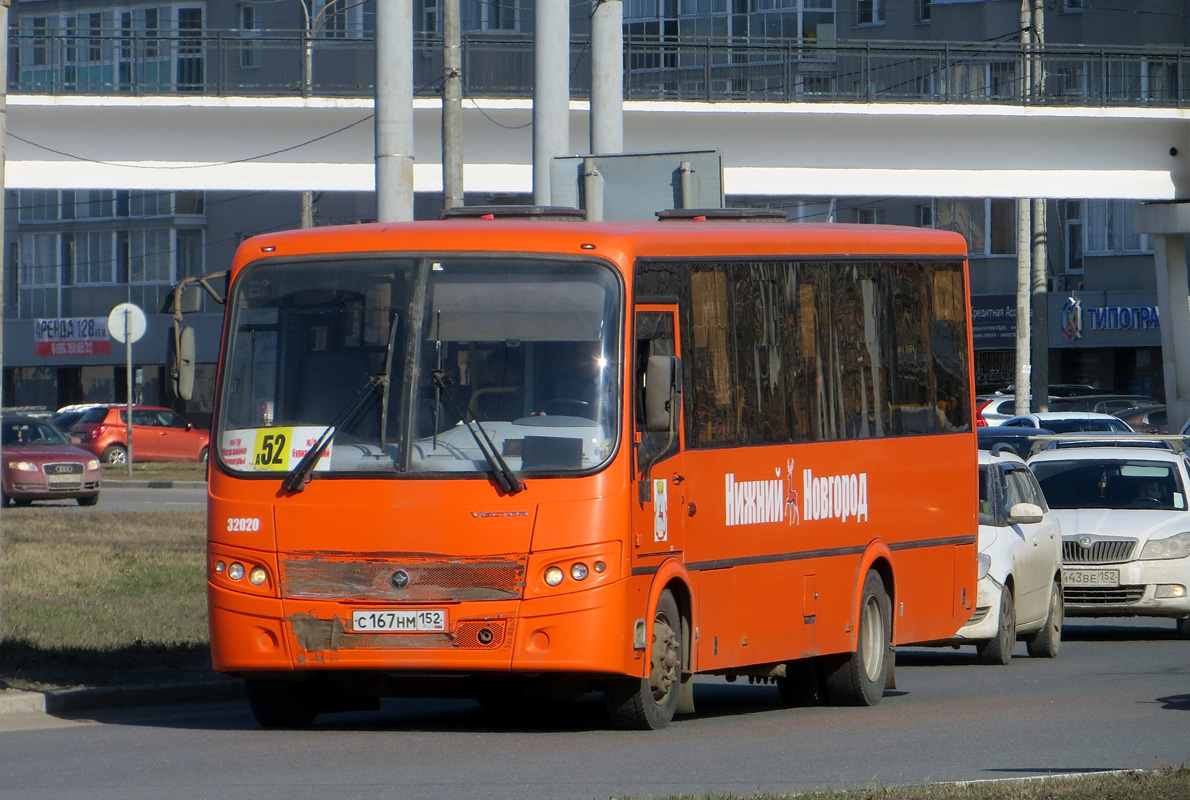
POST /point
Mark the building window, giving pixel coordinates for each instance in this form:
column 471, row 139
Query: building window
column 250, row 50
column 869, row 216
column 989, row 226
column 336, row 19
column 430, row 19
column 1111, row 227
column 923, row 10
column 1002, row 227
column 490, row 15
column 1072, row 6
column 924, row 216
column 1073, row 226
column 869, row 12
column 38, row 264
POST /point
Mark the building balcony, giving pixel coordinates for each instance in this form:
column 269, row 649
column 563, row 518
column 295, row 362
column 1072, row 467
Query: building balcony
column 280, row 64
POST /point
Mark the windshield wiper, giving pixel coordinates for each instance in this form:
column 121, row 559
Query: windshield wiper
column 297, row 479
column 505, row 478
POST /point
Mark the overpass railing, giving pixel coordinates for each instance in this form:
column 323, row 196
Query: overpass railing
column 237, row 63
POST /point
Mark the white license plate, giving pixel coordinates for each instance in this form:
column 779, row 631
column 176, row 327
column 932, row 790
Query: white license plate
column 1090, row 577
column 387, row 620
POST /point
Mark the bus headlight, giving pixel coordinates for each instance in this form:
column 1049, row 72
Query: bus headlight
column 578, row 571
column 554, row 576
column 235, row 571
column 257, row 576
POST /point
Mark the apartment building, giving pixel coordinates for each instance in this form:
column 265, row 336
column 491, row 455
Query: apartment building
column 74, row 254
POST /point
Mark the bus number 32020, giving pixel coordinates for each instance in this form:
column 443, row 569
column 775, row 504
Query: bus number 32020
column 243, row 524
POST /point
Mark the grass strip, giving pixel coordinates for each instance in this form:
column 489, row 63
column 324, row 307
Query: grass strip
column 96, row 598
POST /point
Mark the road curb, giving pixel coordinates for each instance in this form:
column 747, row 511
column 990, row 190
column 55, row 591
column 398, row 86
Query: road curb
column 14, row 701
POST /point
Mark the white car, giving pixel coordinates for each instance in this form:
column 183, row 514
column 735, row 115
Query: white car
column 1069, row 422
column 1019, row 564
column 1126, row 529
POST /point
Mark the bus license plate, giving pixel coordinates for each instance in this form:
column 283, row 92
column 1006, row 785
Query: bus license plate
column 1090, row 577
column 398, row 621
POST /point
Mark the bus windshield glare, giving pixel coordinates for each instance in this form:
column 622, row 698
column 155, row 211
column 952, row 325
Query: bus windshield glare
column 525, row 353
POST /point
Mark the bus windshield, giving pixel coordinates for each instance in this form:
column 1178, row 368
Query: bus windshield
column 411, row 364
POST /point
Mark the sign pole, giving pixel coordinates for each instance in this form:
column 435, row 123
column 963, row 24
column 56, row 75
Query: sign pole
column 126, row 324
column 128, row 381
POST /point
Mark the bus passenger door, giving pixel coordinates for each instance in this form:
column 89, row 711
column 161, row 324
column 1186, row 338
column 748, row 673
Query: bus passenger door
column 662, row 502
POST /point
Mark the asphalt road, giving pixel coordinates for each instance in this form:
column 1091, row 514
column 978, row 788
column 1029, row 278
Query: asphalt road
column 1118, row 696
column 113, row 497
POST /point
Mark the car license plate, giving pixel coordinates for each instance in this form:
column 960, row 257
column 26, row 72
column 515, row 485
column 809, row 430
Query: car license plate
column 387, row 620
column 1090, row 577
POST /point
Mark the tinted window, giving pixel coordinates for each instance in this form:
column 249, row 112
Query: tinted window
column 785, row 351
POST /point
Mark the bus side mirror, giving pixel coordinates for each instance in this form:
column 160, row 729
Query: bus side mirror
column 182, row 370
column 663, row 384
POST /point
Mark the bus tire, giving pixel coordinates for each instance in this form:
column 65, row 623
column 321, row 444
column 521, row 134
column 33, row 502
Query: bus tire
column 648, row 704
column 1045, row 643
column 281, row 704
column 859, row 678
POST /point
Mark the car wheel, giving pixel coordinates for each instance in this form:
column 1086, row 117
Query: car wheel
column 204, row 454
column 1045, row 643
column 115, row 454
column 650, row 703
column 860, row 678
column 89, row 500
column 1183, row 628
column 999, row 649
column 281, row 704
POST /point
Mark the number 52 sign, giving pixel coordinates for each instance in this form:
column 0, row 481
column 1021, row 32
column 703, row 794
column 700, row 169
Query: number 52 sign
column 273, row 449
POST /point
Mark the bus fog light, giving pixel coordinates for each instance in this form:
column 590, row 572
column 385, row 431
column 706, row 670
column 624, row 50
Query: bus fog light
column 554, row 576
column 600, row 566
column 220, row 567
column 1168, row 591
column 235, row 571
column 257, row 576
column 578, row 571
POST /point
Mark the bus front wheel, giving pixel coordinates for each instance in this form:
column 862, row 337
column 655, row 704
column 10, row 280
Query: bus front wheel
column 859, row 678
column 649, row 703
column 281, row 704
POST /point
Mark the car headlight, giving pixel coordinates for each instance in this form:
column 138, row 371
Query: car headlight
column 983, row 562
column 23, row 466
column 1176, row 546
column 93, row 464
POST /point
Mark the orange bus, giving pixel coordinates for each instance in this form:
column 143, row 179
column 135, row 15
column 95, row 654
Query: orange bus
column 515, row 460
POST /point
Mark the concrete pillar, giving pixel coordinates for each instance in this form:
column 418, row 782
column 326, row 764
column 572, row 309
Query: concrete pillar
column 394, row 111
column 607, row 77
column 551, row 92
column 1173, row 303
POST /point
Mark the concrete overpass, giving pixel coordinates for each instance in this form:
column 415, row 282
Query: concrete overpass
column 823, row 149
column 773, row 149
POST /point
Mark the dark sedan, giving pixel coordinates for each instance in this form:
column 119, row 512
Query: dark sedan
column 41, row 464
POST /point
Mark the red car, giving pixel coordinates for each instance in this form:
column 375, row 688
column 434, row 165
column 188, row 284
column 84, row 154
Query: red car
column 41, row 464
column 158, row 434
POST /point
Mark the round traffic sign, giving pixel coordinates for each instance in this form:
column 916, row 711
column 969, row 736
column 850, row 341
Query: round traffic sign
column 126, row 323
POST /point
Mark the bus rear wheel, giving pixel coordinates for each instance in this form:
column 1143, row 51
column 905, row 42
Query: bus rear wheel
column 649, row 703
column 281, row 704
column 859, row 678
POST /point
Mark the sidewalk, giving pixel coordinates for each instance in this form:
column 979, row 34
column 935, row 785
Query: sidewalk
column 14, row 701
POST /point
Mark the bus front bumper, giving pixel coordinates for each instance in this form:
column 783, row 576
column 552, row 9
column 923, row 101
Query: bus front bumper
column 587, row 631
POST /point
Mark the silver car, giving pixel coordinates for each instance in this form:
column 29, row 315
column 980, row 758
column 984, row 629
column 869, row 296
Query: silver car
column 1125, row 530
